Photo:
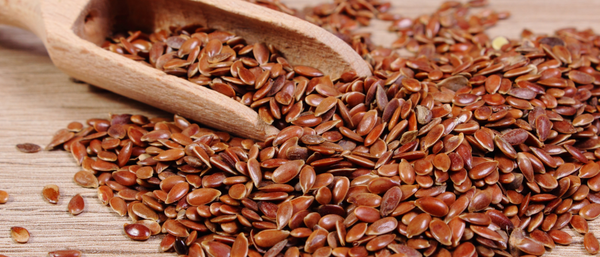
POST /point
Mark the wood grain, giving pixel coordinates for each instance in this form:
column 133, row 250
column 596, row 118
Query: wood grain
column 37, row 99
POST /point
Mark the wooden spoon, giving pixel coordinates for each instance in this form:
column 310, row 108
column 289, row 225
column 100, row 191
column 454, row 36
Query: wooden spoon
column 73, row 30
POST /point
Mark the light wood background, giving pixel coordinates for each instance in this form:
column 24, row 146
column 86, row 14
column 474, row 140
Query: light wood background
column 36, row 99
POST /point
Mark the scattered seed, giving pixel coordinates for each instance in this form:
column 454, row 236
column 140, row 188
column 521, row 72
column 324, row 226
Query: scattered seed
column 29, row 148
column 590, row 242
column 65, row 253
column 19, row 234
column 51, row 193
column 3, row 197
column 76, row 205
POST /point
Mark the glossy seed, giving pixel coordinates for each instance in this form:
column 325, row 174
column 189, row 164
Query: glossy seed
column 418, row 225
column 51, row 193
column 560, row 237
column 76, row 205
column 86, row 179
column 202, row 196
column 440, row 231
column 287, row 171
column 432, row 205
column 3, row 197
column 590, row 242
column 19, row 234
column 29, row 148
column 137, row 231
column 270, row 237
column 590, row 211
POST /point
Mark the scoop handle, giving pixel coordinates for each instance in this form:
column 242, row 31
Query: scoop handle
column 25, row 14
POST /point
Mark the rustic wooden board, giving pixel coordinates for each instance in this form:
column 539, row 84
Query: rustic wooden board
column 36, row 99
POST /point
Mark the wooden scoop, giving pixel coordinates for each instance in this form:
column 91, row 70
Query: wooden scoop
column 73, row 30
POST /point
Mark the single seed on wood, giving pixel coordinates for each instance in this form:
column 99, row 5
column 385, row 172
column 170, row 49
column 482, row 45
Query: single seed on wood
column 3, row 197
column 590, row 242
column 29, row 148
column 65, row 253
column 76, row 205
column 19, row 234
column 51, row 193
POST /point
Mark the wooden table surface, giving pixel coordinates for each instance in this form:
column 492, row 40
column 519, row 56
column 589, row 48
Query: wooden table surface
column 36, row 99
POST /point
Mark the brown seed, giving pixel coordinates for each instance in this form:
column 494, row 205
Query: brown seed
column 590, row 242
column 202, row 196
column 276, row 249
column 380, row 242
column 464, row 249
column 19, row 234
column 307, row 71
column 403, row 250
column 237, row 191
column 590, row 211
column 154, row 227
column 390, row 201
column 284, row 214
column 105, row 194
column 137, row 231
column 480, row 201
column 316, row 240
column 476, row 218
column 170, row 155
column 367, row 214
column 382, row 226
column 29, row 148
column 216, row 249
column 76, row 205
column 3, row 197
column 65, row 253
column 143, row 211
column 418, row 225
column 432, row 205
column 51, row 193
column 579, row 224
column 357, row 232
column 269, row 237
column 560, row 237
column 440, row 231
column 486, row 233
column 86, row 179
column 118, row 205
column 175, row 228
column 287, row 171
column 240, row 246
column 177, row 192
column 482, row 170
column 59, row 138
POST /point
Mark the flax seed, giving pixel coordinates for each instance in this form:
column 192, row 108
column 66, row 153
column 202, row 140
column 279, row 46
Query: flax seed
column 3, row 197
column 19, row 234
column 51, row 193
column 76, row 205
